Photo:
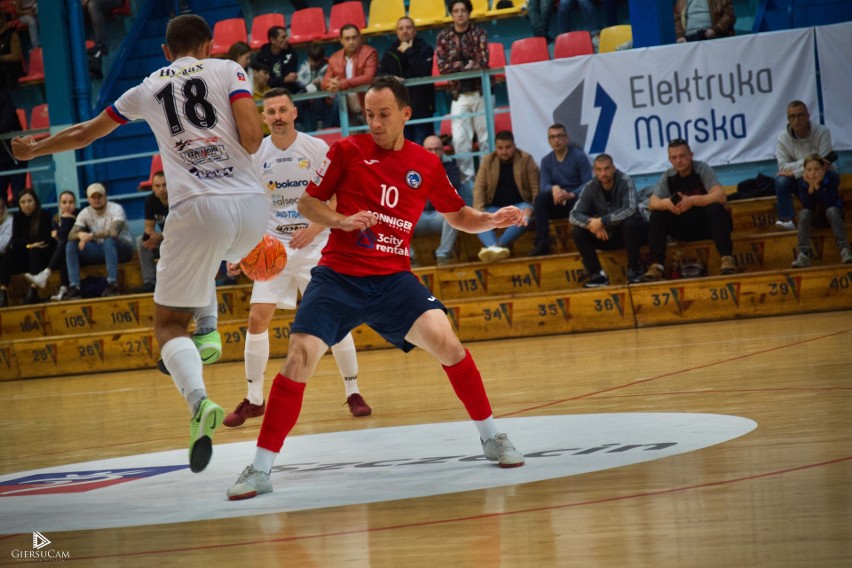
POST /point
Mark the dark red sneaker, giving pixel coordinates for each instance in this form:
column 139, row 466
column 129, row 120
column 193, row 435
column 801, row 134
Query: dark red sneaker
column 244, row 410
column 357, row 405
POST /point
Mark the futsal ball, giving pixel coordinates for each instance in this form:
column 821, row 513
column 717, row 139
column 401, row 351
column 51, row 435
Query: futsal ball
column 266, row 260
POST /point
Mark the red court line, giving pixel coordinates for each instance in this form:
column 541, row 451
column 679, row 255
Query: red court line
column 674, row 373
column 474, row 517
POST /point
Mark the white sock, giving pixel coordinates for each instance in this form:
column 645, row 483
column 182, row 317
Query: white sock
column 256, row 357
column 184, row 363
column 263, row 460
column 347, row 363
column 487, row 428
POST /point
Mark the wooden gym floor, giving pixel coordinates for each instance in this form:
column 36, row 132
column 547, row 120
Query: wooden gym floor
column 778, row 496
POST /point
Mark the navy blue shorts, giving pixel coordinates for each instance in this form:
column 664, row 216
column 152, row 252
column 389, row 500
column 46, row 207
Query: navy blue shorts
column 334, row 304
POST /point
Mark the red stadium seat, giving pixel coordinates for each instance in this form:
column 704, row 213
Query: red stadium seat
column 307, row 25
column 22, row 118
column 39, row 119
column 226, row 33
column 436, row 73
column 260, row 27
column 497, row 58
column 35, row 71
column 502, row 120
column 345, row 13
column 156, row 166
column 528, row 50
column 571, row 44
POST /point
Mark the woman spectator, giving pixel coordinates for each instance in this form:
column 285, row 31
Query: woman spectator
column 61, row 226
column 30, row 248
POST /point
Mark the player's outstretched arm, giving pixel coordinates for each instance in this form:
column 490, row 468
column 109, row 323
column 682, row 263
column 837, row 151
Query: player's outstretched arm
column 470, row 220
column 318, row 211
column 72, row 138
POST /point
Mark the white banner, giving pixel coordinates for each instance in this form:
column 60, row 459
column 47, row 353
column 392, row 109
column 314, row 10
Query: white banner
column 726, row 97
column 834, row 46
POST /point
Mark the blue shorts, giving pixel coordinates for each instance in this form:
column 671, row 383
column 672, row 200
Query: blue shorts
column 334, row 304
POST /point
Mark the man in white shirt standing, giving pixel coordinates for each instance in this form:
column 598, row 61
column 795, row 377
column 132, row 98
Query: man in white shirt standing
column 207, row 126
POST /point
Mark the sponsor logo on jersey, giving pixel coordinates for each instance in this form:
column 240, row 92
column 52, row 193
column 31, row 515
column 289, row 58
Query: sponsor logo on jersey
column 168, row 72
column 371, row 162
column 288, row 215
column 241, row 76
column 203, row 155
column 392, row 221
column 281, row 201
column 181, row 144
column 284, row 229
column 304, row 163
column 272, row 184
column 413, row 179
column 212, row 174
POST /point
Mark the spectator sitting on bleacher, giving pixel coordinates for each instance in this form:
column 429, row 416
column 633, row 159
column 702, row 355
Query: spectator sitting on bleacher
column 800, row 138
column 313, row 113
column 259, row 81
column 281, row 59
column 408, row 57
column 463, row 46
column 697, row 20
column 10, row 54
column 9, row 123
column 354, row 65
column 240, row 52
column 100, row 236
column 30, row 247
column 689, row 204
column 98, row 9
column 564, row 172
column 61, row 226
column 538, row 13
column 607, row 217
column 507, row 176
column 148, row 243
column 431, row 221
column 819, row 191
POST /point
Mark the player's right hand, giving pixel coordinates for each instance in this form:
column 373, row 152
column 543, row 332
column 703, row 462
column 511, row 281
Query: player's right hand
column 358, row 222
column 232, row 269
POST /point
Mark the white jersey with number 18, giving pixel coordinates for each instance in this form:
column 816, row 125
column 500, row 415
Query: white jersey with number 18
column 188, row 107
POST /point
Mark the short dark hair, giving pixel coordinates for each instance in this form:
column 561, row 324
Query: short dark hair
column 796, row 103
column 349, row 27
column 259, row 66
column 400, row 92
column 505, row 135
column 186, row 33
column 237, row 50
column 316, row 52
column 675, row 142
column 277, row 92
column 813, row 157
column 158, row 173
column 557, row 126
column 467, row 4
column 273, row 32
column 604, row 158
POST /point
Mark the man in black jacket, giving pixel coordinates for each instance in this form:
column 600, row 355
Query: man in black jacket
column 281, row 59
column 409, row 57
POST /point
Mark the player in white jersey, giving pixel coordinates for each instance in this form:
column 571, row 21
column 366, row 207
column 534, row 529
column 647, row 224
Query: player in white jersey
column 285, row 163
column 207, row 127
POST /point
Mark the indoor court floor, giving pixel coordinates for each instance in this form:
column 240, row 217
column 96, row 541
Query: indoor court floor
column 717, row 444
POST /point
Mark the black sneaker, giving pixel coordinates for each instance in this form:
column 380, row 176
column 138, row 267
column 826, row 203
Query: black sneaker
column 634, row 275
column 31, row 297
column 145, row 288
column 598, row 280
column 73, row 293
column 4, row 298
column 540, row 249
column 112, row 289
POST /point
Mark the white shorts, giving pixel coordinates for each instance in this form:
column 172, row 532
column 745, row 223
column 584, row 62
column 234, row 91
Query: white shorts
column 281, row 291
column 200, row 233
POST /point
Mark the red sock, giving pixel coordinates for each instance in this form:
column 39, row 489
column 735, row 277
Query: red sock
column 282, row 412
column 467, row 382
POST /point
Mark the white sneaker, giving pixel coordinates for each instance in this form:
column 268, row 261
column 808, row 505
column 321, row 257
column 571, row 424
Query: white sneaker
column 60, row 294
column 250, row 484
column 846, row 256
column 785, row 225
column 802, row 261
column 501, row 450
column 39, row 279
column 486, row 255
column 500, row 253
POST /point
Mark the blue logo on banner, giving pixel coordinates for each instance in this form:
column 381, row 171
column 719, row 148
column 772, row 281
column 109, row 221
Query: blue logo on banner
column 570, row 113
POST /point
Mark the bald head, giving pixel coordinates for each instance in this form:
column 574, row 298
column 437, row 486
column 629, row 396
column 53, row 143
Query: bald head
column 434, row 145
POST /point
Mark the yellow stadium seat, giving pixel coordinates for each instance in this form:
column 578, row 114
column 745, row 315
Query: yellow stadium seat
column 428, row 12
column 615, row 36
column 383, row 16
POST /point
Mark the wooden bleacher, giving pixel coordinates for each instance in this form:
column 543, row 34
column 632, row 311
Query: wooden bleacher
column 518, row 297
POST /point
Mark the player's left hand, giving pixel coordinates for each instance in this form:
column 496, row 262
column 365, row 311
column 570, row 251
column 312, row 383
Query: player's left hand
column 508, row 216
column 301, row 238
column 22, row 148
column 233, row 269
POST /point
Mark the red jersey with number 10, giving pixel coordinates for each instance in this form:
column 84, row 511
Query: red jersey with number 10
column 394, row 187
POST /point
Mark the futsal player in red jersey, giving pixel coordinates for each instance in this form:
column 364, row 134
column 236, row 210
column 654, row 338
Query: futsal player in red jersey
column 381, row 182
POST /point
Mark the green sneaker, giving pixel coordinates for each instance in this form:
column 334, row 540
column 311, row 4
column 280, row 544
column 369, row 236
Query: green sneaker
column 201, row 428
column 209, row 346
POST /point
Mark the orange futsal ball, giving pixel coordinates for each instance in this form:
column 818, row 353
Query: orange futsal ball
column 266, row 260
